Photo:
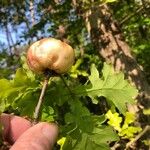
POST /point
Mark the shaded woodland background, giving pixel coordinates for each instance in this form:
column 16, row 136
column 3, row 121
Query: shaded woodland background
column 112, row 31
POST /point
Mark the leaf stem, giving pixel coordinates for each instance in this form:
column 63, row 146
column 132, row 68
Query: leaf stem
column 67, row 86
column 41, row 98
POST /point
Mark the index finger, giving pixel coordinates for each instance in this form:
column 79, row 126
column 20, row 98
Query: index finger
column 14, row 126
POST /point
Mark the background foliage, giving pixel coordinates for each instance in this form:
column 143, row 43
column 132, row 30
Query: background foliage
column 92, row 113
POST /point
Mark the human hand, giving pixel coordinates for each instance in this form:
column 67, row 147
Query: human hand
column 20, row 133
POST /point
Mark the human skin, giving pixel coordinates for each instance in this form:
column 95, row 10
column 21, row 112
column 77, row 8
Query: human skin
column 20, row 133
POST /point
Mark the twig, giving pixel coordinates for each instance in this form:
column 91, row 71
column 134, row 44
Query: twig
column 146, row 6
column 130, row 16
column 38, row 106
column 116, row 145
column 138, row 136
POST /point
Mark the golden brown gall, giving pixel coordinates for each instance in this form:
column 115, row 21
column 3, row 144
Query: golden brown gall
column 52, row 54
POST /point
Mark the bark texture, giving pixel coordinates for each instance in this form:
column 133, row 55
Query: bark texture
column 108, row 40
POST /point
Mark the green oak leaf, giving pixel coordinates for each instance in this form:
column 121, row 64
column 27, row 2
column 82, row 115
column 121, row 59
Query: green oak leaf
column 98, row 139
column 111, row 85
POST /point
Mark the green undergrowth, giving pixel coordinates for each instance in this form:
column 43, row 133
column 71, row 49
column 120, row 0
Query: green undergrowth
column 80, row 128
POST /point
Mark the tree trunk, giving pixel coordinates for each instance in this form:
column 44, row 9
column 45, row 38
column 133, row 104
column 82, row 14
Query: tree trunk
column 108, row 40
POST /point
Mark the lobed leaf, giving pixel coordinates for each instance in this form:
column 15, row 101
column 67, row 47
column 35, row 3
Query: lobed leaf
column 112, row 86
column 98, row 139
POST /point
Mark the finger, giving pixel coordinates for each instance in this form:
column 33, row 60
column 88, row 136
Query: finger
column 42, row 136
column 14, row 126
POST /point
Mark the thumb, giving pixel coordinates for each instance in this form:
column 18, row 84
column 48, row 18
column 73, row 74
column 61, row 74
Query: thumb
column 41, row 136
